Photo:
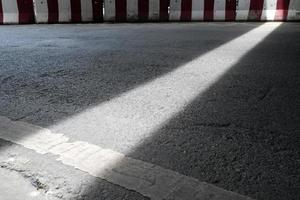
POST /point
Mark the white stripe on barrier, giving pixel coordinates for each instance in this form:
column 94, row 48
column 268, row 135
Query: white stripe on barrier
column 10, row 11
column 64, row 8
column 219, row 9
column 132, row 10
column 294, row 10
column 291, row 12
column 41, row 11
column 175, row 10
column 110, row 10
column 242, row 11
column 297, row 8
column 154, row 10
column 197, row 10
column 86, row 10
column 269, row 10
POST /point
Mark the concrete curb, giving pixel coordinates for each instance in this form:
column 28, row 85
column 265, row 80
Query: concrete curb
column 145, row 178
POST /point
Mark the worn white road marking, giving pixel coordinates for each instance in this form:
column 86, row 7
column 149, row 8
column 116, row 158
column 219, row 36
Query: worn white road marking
column 148, row 179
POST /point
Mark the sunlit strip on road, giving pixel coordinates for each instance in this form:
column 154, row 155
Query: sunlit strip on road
column 134, row 115
column 147, row 179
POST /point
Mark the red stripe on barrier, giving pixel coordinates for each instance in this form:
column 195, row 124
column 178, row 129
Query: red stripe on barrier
column 186, row 10
column 208, row 10
column 121, row 10
column 163, row 10
column 52, row 11
column 1, row 13
column 282, row 9
column 230, row 10
column 255, row 11
column 76, row 10
column 143, row 10
column 26, row 13
column 97, row 10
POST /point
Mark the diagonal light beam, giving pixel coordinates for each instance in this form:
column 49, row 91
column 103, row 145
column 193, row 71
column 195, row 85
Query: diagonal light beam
column 134, row 115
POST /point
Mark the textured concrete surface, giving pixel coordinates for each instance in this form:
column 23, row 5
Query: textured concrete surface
column 147, row 179
column 15, row 187
column 241, row 134
column 55, row 180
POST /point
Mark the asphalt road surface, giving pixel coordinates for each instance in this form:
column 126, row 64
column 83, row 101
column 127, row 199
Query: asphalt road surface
column 219, row 102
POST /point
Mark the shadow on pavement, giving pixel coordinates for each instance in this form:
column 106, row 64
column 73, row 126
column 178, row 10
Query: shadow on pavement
column 242, row 134
column 49, row 73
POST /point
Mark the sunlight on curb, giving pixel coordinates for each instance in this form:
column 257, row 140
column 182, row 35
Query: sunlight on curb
column 138, row 113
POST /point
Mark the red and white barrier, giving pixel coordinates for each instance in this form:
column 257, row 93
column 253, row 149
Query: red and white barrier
column 136, row 10
column 202, row 10
column 62, row 11
column 16, row 12
column 230, row 10
column 267, row 10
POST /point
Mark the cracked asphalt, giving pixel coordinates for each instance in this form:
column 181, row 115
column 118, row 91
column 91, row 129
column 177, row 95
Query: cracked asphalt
column 242, row 134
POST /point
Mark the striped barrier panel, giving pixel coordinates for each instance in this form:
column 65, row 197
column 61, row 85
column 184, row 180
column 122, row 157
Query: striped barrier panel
column 16, row 12
column 56, row 11
column 202, row 10
column 268, row 10
column 136, row 10
column 231, row 10
column 64, row 11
